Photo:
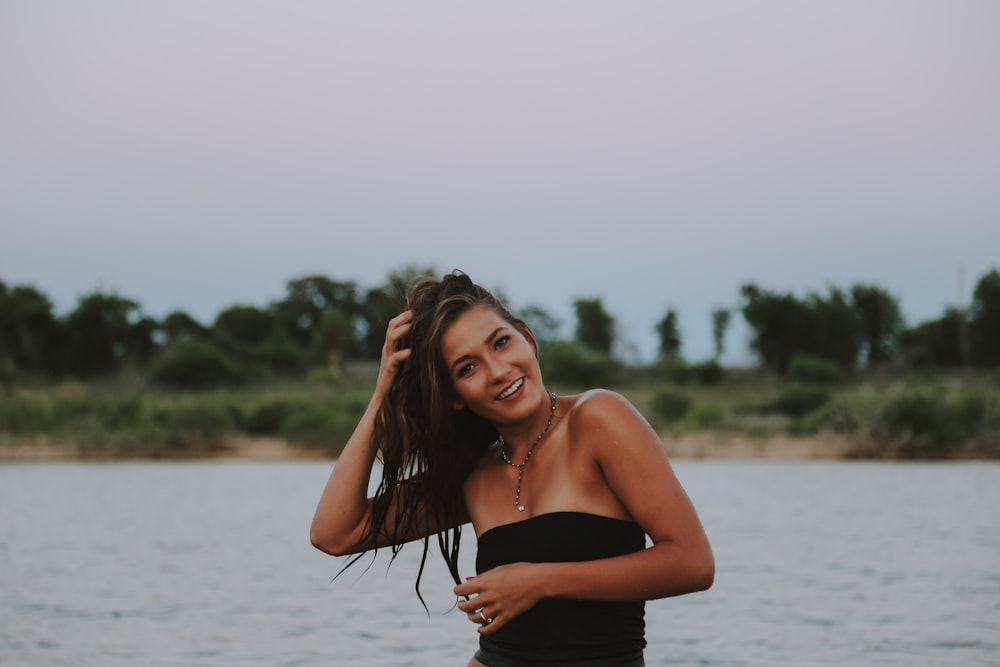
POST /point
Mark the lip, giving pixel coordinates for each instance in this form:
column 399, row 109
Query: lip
column 510, row 390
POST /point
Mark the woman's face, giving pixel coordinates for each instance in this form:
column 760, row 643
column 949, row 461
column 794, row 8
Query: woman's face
column 493, row 366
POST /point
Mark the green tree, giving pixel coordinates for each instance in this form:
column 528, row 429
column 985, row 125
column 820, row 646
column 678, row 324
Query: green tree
column 255, row 337
column 402, row 279
column 278, row 355
column 572, row 364
column 105, row 331
column 308, row 300
column 245, row 325
column 720, row 324
column 196, row 364
column 670, row 337
column 379, row 306
column 178, row 327
column 383, row 303
column 834, row 327
column 784, row 326
column 594, row 326
column 30, row 333
column 935, row 344
column 334, row 339
column 542, row 324
column 880, row 322
column 985, row 320
column 781, row 325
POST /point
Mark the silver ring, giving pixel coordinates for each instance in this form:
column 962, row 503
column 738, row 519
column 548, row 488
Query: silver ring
column 486, row 621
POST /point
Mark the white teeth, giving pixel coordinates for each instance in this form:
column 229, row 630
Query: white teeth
column 511, row 389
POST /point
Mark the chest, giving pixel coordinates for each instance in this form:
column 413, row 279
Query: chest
column 559, row 476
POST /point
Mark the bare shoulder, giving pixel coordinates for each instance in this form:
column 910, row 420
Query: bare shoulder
column 606, row 418
column 601, row 407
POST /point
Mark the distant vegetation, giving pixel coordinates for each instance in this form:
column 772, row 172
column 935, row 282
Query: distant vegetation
column 113, row 381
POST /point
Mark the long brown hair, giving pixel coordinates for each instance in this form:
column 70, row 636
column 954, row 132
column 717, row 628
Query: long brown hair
column 428, row 448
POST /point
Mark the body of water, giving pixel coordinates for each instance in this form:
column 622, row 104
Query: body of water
column 209, row 564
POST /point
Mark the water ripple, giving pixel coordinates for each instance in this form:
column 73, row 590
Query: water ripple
column 208, row 564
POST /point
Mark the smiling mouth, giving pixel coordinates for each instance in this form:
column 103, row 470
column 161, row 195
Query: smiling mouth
column 510, row 390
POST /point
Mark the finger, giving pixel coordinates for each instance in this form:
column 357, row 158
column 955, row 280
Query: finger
column 401, row 355
column 399, row 330
column 480, row 617
column 394, row 334
column 491, row 625
column 392, row 364
column 404, row 317
column 466, row 589
column 392, row 353
column 394, row 344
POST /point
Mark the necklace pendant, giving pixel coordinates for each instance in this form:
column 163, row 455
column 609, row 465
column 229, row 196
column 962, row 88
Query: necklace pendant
column 520, row 466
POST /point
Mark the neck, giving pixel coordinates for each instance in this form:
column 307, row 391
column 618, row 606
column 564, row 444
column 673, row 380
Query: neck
column 520, row 441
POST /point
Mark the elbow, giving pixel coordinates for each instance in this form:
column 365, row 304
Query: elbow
column 707, row 577
column 319, row 541
column 327, row 543
column 703, row 574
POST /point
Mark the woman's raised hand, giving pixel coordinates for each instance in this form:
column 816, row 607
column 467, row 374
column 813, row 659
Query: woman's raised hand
column 392, row 357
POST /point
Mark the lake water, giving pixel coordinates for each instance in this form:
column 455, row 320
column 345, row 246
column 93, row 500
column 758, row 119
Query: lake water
column 818, row 563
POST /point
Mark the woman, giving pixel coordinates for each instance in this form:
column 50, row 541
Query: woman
column 562, row 491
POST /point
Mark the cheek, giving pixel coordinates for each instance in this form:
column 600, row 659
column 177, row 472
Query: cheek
column 458, row 398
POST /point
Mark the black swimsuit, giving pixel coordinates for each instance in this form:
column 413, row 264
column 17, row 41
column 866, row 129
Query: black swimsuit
column 556, row 631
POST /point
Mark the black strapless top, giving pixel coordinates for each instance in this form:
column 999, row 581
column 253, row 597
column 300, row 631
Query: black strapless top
column 558, row 629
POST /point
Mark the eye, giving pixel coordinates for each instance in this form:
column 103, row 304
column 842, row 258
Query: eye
column 501, row 342
column 465, row 370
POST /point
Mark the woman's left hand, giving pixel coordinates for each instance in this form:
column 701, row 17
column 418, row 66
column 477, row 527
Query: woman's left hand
column 500, row 594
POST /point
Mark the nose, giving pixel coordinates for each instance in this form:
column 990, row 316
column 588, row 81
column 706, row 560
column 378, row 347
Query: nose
column 497, row 369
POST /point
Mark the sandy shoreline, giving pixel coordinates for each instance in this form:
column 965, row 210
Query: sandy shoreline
column 693, row 446
column 776, row 447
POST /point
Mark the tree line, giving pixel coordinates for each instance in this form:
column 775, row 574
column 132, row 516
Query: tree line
column 322, row 323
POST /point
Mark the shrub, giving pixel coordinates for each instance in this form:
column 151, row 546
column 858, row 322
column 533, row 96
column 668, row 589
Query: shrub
column 319, row 426
column 798, row 400
column 707, row 372
column 670, row 404
column 23, row 415
column 675, row 370
column 852, row 414
column 108, row 411
column 806, row 368
column 705, row 415
column 572, row 364
column 279, row 356
column 267, row 417
column 192, row 423
column 197, row 364
column 927, row 422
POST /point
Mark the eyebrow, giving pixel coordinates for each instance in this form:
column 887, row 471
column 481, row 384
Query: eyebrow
column 489, row 339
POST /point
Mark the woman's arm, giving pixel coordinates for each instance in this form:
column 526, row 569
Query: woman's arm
column 631, row 458
column 341, row 524
column 635, row 465
column 344, row 511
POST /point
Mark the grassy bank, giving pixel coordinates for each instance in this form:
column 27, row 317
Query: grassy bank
column 930, row 417
column 103, row 422
column 941, row 417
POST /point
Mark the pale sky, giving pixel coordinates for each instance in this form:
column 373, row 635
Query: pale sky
column 195, row 155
